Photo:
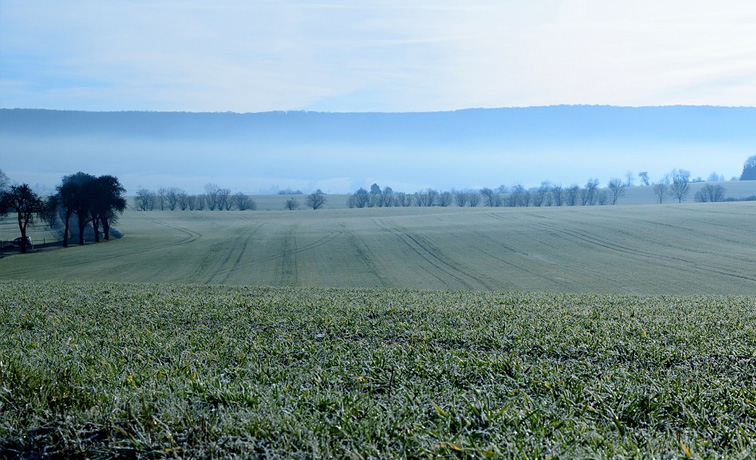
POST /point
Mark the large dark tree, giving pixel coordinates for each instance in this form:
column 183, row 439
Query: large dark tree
column 749, row 169
column 95, row 200
column 106, row 202
column 25, row 203
column 72, row 194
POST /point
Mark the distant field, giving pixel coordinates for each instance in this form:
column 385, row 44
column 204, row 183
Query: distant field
column 101, row 370
column 673, row 248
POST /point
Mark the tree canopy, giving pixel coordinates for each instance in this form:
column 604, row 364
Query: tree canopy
column 749, row 169
column 25, row 203
column 95, row 200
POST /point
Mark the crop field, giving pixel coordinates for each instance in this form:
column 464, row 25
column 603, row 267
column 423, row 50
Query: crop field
column 586, row 332
column 696, row 248
column 175, row 371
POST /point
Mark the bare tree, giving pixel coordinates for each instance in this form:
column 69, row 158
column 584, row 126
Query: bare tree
column 445, row 199
column 291, row 204
column 182, row 200
column 541, row 196
column 161, row 198
column 200, row 201
column 387, row 197
column 50, row 211
column 474, row 199
column 603, row 197
column 244, row 202
column 490, row 197
column 403, row 199
column 316, row 199
column 661, row 190
column 426, row 197
column 461, row 198
column 211, row 196
column 557, row 194
column 224, row 199
column 629, row 178
column 712, row 193
column 589, row 194
column 519, row 196
column 376, row 196
column 191, row 201
column 571, row 195
column 643, row 175
column 617, row 188
column 545, row 189
column 359, row 199
column 680, row 184
column 172, row 197
column 145, row 200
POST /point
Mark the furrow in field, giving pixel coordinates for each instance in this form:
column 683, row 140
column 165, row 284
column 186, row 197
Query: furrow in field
column 522, row 264
column 366, row 256
column 236, row 252
column 591, row 239
column 288, row 273
column 441, row 267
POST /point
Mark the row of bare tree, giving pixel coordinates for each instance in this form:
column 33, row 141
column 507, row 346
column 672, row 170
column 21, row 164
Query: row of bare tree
column 674, row 185
column 174, row 198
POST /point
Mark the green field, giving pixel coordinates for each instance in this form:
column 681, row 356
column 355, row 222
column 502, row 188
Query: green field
column 169, row 371
column 586, row 332
column 691, row 248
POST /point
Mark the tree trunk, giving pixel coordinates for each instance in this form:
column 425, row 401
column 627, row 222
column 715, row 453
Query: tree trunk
column 96, row 228
column 22, row 227
column 82, row 225
column 65, row 230
column 106, row 228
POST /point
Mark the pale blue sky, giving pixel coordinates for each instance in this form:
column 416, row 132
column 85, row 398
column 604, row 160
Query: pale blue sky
column 371, row 55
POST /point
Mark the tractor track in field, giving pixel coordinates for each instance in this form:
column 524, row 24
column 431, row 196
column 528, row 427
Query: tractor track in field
column 520, row 255
column 288, row 275
column 235, row 249
column 366, row 255
column 433, row 256
column 299, row 249
column 594, row 241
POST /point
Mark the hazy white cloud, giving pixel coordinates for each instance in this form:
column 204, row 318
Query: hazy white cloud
column 374, row 55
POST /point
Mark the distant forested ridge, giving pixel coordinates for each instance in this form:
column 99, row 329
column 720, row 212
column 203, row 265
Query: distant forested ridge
column 342, row 152
column 530, row 123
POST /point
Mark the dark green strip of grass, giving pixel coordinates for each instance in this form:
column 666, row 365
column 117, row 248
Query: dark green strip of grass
column 163, row 371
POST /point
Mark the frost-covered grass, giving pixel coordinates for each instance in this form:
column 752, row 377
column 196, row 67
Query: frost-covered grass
column 131, row 370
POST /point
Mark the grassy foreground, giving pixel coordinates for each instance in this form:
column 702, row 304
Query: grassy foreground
column 161, row 371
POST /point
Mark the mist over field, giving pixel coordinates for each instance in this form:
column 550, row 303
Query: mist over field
column 340, row 152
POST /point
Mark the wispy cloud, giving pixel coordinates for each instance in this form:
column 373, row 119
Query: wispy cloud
column 374, row 55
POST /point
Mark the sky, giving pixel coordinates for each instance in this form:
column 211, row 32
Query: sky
column 374, row 55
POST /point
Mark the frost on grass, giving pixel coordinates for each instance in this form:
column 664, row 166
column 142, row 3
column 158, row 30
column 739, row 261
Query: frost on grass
column 160, row 370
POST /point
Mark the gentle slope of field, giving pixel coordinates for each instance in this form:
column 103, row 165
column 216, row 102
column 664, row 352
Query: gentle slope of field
column 161, row 371
column 661, row 249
